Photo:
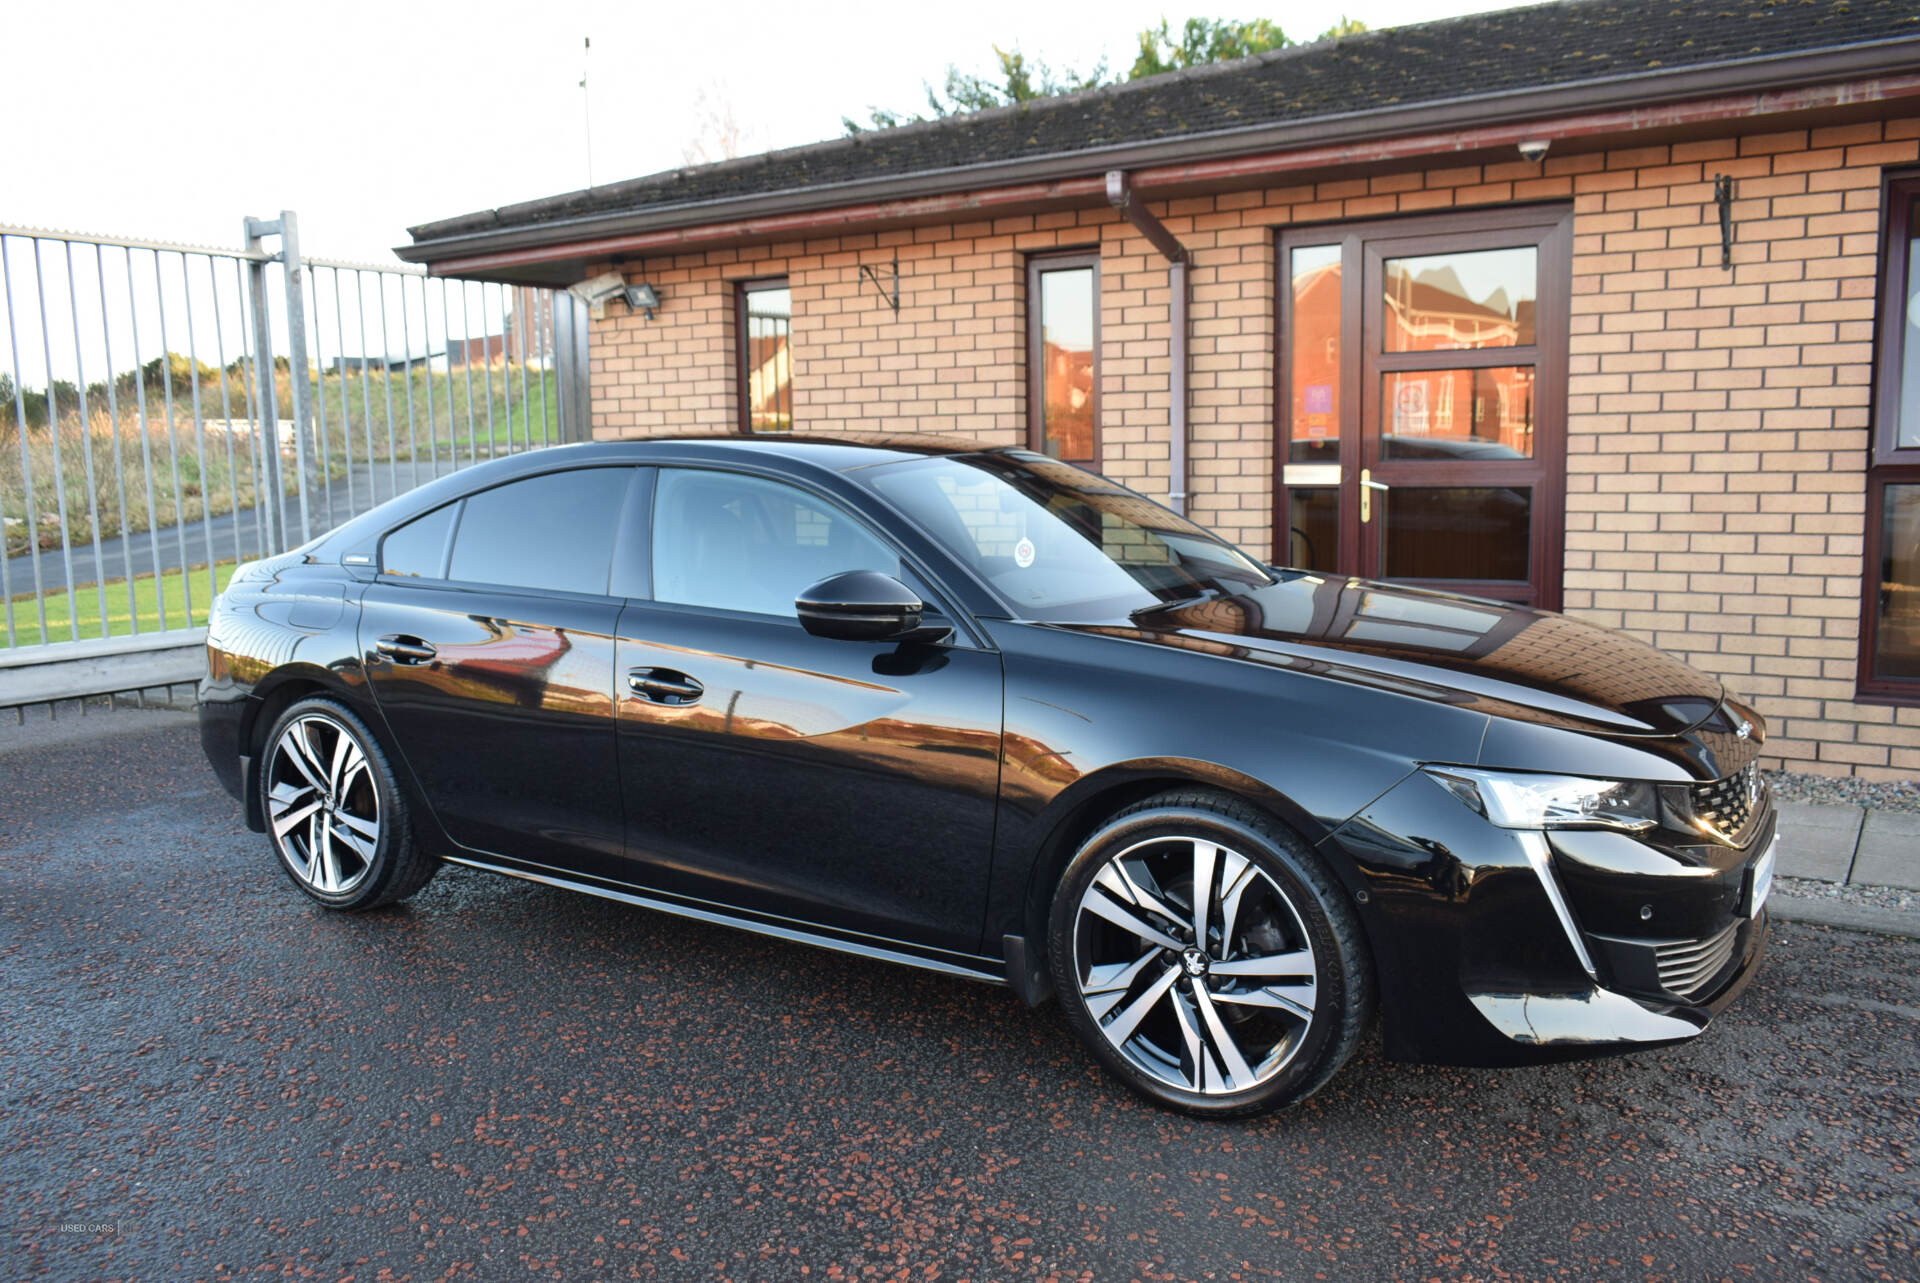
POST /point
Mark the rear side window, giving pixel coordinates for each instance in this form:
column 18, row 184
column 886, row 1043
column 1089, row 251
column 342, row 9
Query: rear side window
column 555, row 531
column 419, row 548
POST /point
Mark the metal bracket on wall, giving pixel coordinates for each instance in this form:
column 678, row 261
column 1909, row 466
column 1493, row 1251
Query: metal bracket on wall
column 891, row 297
column 1723, row 197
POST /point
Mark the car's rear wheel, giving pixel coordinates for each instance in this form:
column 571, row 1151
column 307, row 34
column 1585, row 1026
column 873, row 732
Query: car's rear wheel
column 335, row 813
column 1207, row 958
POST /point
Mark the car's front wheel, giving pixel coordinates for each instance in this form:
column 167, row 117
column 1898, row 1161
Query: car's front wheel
column 336, row 815
column 1207, row 957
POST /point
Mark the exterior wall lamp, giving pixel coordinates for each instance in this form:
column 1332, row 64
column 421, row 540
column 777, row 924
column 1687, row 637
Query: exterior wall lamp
column 643, row 298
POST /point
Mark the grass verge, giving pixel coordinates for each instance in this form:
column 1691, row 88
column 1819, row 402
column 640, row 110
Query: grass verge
column 156, row 603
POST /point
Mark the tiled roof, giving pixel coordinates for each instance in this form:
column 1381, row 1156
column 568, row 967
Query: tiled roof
column 1540, row 47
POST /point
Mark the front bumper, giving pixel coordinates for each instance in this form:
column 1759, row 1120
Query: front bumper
column 1500, row 947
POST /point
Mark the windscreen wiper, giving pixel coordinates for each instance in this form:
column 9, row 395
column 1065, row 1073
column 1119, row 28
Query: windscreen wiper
column 1205, row 594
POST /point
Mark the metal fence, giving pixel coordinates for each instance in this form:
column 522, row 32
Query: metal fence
column 168, row 411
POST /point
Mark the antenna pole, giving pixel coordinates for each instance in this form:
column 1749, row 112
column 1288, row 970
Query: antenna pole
column 586, row 103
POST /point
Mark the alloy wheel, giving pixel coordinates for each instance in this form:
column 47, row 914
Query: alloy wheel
column 1195, row 965
column 323, row 804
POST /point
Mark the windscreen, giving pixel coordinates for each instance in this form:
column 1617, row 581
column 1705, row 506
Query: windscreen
column 1058, row 542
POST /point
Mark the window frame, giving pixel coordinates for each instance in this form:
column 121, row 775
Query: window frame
column 1365, row 245
column 743, row 417
column 1039, row 265
column 454, row 508
column 636, row 500
column 1888, row 464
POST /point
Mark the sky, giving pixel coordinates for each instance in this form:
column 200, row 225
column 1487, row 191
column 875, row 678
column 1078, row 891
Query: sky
column 172, row 122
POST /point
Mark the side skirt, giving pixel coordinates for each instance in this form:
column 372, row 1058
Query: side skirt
column 987, row 971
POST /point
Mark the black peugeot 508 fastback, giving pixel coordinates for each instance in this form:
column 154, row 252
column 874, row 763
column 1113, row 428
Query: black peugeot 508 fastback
column 980, row 711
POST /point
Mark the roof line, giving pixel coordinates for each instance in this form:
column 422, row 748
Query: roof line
column 1758, row 75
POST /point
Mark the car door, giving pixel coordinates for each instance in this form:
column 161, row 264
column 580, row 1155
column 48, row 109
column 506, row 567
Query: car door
column 488, row 643
column 847, row 784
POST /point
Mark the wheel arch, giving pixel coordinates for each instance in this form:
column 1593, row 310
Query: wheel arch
column 1080, row 808
column 272, row 695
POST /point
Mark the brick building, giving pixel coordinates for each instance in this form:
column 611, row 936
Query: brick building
column 1595, row 305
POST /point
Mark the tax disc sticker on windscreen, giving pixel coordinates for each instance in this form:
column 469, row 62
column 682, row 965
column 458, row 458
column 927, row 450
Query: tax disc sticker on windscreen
column 1023, row 553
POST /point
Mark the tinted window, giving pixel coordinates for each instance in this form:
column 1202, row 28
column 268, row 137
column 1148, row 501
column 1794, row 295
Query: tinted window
column 552, row 532
column 731, row 542
column 419, row 548
column 1059, row 542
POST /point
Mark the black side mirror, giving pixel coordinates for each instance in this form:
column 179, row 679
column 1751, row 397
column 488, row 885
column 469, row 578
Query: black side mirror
column 864, row 605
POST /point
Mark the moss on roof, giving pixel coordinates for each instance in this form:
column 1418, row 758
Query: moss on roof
column 1541, row 47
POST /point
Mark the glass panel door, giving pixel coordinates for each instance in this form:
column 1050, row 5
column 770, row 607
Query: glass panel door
column 1423, row 367
column 1316, row 306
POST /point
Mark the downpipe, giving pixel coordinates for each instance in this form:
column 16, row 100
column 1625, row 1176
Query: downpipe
column 1180, row 307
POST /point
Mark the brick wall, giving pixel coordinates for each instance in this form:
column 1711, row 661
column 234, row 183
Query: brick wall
column 1717, row 420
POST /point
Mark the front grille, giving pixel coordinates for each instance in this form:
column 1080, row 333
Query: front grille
column 1688, row 968
column 1723, row 807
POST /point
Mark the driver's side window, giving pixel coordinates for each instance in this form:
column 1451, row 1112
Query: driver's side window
column 726, row 541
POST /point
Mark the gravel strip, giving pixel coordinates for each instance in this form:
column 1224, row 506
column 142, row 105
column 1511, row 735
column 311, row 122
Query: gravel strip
column 208, row 1075
column 1846, row 790
column 1875, row 897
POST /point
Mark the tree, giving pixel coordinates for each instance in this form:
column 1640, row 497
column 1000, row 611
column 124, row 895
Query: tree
column 1203, row 41
column 1020, row 79
column 718, row 134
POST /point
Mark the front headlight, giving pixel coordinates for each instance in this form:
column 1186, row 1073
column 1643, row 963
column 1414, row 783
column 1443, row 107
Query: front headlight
column 1516, row 800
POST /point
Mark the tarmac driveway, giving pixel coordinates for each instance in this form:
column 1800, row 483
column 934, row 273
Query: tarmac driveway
column 205, row 1074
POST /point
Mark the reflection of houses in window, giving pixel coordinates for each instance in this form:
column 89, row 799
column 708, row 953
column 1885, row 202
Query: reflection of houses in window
column 1490, row 405
column 770, row 383
column 1431, row 311
column 1063, row 345
column 1428, row 308
column 765, row 356
column 1316, row 365
column 1069, row 407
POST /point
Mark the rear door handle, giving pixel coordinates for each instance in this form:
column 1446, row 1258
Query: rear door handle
column 402, row 649
column 664, row 686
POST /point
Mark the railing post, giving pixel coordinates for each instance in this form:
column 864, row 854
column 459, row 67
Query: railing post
column 271, row 496
column 308, row 462
column 299, row 376
column 570, row 363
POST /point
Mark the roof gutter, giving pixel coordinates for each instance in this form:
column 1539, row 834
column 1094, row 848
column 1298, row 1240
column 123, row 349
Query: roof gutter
column 1179, row 359
column 1747, row 88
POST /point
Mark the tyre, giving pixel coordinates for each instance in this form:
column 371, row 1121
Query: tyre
column 335, row 813
column 1207, row 958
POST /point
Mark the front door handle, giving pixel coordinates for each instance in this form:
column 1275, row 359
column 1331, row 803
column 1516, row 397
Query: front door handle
column 402, row 649
column 664, row 686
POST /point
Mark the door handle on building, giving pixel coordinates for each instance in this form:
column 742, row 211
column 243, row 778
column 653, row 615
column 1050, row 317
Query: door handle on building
column 1367, row 486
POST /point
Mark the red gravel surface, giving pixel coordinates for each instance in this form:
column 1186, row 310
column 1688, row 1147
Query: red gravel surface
column 208, row 1076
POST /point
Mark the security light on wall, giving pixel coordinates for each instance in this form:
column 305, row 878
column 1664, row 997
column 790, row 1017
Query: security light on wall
column 643, row 298
column 596, row 292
